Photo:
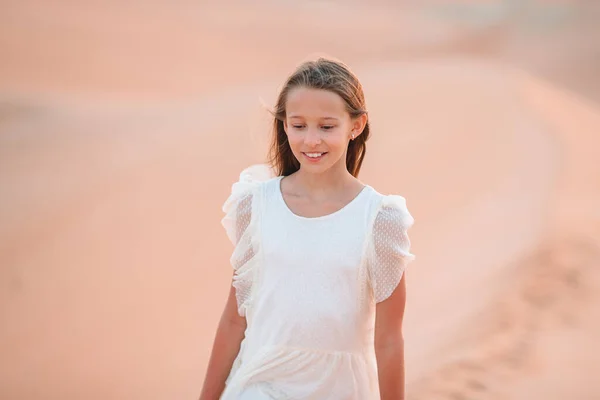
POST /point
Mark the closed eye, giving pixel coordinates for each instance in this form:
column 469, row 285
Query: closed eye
column 327, row 127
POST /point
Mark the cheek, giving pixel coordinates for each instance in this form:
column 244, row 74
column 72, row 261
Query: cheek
column 338, row 141
column 294, row 138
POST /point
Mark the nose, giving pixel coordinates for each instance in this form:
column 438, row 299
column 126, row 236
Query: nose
column 312, row 137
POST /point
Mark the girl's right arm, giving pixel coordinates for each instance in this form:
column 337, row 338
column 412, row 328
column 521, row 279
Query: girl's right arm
column 226, row 346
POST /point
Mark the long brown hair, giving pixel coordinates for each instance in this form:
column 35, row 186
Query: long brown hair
column 325, row 74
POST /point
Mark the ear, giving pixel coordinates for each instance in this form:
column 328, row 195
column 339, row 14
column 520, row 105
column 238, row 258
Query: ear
column 358, row 125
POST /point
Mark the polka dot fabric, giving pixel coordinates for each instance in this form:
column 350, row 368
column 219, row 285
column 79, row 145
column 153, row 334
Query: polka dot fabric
column 240, row 223
column 389, row 251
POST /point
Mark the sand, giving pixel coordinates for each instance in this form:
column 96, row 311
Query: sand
column 123, row 126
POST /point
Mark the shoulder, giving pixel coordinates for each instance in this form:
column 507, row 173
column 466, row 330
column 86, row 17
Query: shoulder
column 242, row 206
column 257, row 173
column 391, row 209
column 250, row 182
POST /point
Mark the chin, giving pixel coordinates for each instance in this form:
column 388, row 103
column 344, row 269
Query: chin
column 318, row 168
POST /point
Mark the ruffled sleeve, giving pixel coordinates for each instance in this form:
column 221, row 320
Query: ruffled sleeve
column 242, row 210
column 389, row 247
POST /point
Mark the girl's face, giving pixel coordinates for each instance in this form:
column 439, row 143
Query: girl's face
column 319, row 128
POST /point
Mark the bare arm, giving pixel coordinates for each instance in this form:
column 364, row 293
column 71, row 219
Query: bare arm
column 389, row 344
column 226, row 346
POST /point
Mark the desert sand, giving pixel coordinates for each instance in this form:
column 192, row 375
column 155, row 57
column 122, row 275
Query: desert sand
column 124, row 124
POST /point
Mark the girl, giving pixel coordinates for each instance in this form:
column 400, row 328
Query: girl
column 317, row 300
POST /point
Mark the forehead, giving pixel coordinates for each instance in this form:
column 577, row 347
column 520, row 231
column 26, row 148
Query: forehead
column 303, row 102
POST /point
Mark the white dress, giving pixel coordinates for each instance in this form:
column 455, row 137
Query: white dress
column 308, row 289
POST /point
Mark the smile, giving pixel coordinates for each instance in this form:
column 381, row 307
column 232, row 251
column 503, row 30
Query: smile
column 314, row 156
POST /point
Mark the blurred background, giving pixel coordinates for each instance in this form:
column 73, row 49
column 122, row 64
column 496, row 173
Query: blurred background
column 123, row 125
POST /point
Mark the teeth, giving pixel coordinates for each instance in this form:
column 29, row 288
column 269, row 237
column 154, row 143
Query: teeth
column 314, row 155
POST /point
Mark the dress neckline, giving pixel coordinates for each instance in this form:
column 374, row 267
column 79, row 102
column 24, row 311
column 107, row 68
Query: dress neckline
column 321, row 217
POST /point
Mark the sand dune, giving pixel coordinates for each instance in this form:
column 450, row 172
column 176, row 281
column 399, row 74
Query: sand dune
column 122, row 128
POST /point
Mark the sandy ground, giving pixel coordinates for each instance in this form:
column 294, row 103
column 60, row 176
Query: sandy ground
column 122, row 127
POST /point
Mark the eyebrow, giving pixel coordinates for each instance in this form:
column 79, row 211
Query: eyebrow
column 324, row 118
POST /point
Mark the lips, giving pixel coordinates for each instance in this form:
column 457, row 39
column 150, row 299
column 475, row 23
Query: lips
column 314, row 156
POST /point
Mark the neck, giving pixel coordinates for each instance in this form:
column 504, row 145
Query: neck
column 329, row 181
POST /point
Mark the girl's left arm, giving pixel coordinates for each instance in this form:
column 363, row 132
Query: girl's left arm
column 389, row 344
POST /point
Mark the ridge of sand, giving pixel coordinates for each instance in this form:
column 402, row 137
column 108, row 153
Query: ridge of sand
column 533, row 338
column 114, row 115
column 122, row 167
